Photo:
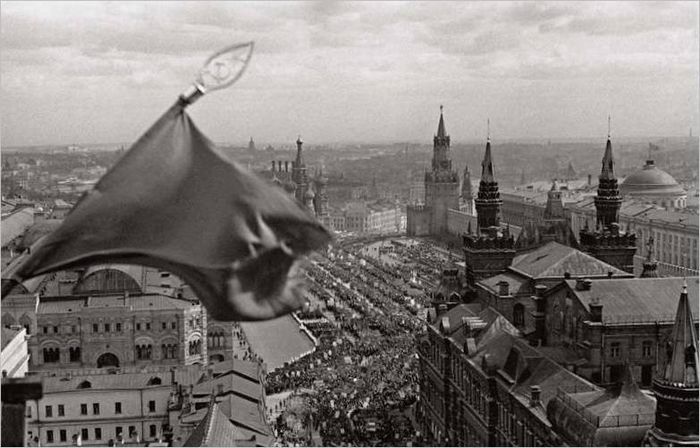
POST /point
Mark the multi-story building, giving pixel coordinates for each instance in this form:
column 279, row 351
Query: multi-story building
column 147, row 405
column 442, row 190
column 674, row 233
column 363, row 217
column 113, row 317
column 596, row 326
column 482, row 384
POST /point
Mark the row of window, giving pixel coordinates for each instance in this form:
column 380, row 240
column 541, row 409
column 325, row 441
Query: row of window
column 61, row 410
column 647, row 349
column 143, row 352
column 97, row 434
column 108, row 328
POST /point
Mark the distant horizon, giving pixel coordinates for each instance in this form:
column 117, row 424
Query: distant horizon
column 263, row 144
column 352, row 71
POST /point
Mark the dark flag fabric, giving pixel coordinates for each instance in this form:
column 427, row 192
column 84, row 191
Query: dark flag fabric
column 174, row 202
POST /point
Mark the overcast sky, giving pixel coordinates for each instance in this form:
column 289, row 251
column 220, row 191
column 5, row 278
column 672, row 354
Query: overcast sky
column 333, row 72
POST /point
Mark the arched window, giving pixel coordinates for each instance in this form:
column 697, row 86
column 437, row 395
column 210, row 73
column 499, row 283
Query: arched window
column 74, row 353
column 154, row 381
column 51, row 355
column 85, row 385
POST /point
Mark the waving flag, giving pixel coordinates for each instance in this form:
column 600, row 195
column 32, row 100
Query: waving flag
column 175, row 203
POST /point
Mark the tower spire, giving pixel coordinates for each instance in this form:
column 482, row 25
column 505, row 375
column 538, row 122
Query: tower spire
column 441, row 133
column 487, row 174
column 682, row 366
column 488, row 129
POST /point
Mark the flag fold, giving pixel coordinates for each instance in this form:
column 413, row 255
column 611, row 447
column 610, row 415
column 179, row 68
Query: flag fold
column 176, row 203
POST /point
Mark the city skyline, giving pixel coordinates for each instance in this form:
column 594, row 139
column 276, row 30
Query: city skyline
column 103, row 72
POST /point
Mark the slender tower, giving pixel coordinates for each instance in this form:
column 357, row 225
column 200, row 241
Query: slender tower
column 676, row 388
column 491, row 249
column 607, row 242
column 299, row 176
column 467, row 195
column 441, row 183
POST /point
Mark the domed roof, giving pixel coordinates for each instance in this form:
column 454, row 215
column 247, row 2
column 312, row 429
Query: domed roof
column 651, row 180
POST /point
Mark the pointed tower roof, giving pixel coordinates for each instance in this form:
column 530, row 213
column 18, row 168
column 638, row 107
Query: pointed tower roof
column 682, row 366
column 487, row 174
column 571, row 172
column 607, row 171
column 441, row 126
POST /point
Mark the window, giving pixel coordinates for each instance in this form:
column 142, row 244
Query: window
column 61, row 410
column 63, row 437
column 118, row 431
column 49, row 436
column 615, row 349
column 49, row 411
column 95, row 328
column 119, row 327
column 84, row 434
column 107, row 328
column 148, row 325
column 96, row 408
column 144, row 351
column 29, row 412
column 55, row 329
column 646, row 348
column 46, row 330
column 152, row 431
column 83, row 409
column 138, row 326
column 98, row 433
column 173, row 325
column 152, row 406
column 52, row 355
column 74, row 354
column 118, row 407
column 164, row 325
column 73, row 329
column 518, row 314
column 132, row 431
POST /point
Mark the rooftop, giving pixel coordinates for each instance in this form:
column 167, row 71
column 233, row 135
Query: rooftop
column 554, row 260
column 638, row 299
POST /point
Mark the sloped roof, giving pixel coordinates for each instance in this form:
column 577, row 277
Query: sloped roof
column 554, row 259
column 515, row 282
column 619, row 416
column 15, row 224
column 638, row 299
column 215, row 429
column 685, row 346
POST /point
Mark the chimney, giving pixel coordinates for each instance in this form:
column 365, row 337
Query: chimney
column 610, row 274
column 596, row 310
column 503, row 288
column 567, row 275
column 589, row 180
column 539, row 315
column 583, row 284
column 535, row 395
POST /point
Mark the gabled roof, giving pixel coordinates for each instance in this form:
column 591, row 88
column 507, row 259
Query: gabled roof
column 554, row 260
column 637, row 299
column 215, row 429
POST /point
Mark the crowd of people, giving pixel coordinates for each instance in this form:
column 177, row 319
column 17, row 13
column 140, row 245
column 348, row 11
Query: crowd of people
column 363, row 377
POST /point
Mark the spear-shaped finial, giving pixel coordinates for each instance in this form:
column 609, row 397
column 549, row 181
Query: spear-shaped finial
column 608, row 126
column 488, row 129
column 222, row 69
